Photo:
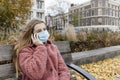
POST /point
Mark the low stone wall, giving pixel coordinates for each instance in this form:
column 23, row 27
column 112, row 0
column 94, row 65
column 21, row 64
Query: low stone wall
column 95, row 55
column 78, row 58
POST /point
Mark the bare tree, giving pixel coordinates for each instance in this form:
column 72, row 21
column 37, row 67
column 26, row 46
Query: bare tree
column 60, row 9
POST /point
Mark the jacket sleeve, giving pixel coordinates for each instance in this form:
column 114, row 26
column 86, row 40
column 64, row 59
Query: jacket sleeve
column 33, row 63
column 63, row 71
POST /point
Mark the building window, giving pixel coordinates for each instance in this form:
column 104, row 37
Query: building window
column 106, row 11
column 106, row 3
column 113, row 21
column 92, row 21
column 119, row 14
column 110, row 21
column 99, row 21
column 99, row 11
column 83, row 14
column 116, row 22
column 83, row 22
column 111, row 13
column 110, row 5
column 82, row 9
column 87, row 13
column 116, row 14
column 39, row 15
column 74, row 11
column 92, row 12
column 77, row 10
column 113, row 7
column 119, row 22
column 80, row 22
column 116, row 7
column 99, row 3
column 87, row 22
column 106, row 21
column 30, row 15
column 39, row 4
column 92, row 4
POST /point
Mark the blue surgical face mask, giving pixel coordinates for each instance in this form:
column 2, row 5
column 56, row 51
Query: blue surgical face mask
column 43, row 36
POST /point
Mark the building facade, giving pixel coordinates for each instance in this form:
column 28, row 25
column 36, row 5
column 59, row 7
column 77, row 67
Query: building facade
column 57, row 14
column 58, row 21
column 96, row 14
column 37, row 10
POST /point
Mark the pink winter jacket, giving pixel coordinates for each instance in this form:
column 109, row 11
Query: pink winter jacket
column 43, row 62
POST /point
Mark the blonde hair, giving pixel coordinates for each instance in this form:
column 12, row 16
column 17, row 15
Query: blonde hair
column 23, row 41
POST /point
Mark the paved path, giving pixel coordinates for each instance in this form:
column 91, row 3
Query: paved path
column 95, row 55
column 117, row 78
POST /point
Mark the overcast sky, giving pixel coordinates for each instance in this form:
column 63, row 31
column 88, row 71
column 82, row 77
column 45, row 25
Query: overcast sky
column 51, row 2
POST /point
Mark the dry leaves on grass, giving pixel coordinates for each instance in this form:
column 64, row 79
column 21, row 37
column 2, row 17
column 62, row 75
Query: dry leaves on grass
column 107, row 69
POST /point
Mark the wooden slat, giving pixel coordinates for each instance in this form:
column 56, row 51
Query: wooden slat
column 6, row 52
column 10, row 79
column 6, row 70
column 67, row 58
column 63, row 46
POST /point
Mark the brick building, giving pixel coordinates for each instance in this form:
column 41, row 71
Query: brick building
column 96, row 15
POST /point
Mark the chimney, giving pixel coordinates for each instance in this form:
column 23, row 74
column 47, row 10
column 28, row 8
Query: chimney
column 72, row 5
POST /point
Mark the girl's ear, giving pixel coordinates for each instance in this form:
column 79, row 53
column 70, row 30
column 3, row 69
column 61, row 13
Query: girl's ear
column 32, row 30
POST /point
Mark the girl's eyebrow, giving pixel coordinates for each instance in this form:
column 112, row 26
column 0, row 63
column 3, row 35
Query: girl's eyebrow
column 41, row 29
column 38, row 30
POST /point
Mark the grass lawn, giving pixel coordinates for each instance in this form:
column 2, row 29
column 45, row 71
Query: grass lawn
column 107, row 69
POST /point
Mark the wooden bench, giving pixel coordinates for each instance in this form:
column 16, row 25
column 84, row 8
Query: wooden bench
column 7, row 70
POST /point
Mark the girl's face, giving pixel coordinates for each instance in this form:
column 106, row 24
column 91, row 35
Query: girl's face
column 39, row 28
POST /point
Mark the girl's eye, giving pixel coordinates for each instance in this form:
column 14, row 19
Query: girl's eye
column 39, row 30
column 44, row 29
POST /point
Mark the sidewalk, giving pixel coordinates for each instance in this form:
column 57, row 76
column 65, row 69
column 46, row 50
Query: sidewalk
column 118, row 78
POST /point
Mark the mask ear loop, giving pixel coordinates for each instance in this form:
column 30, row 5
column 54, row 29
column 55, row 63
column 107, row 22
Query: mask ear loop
column 37, row 36
column 32, row 35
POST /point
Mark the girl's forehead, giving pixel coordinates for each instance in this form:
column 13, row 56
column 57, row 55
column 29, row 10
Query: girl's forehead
column 39, row 26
